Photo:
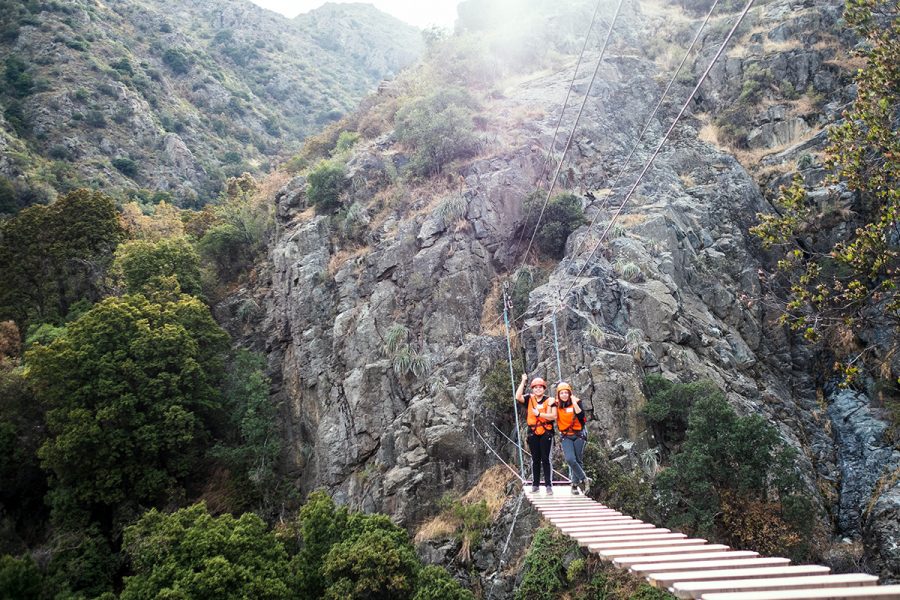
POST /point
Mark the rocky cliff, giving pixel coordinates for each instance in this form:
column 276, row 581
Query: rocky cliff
column 172, row 96
column 379, row 343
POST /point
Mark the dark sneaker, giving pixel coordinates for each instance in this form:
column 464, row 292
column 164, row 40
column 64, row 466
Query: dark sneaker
column 535, row 489
column 575, row 490
column 549, row 490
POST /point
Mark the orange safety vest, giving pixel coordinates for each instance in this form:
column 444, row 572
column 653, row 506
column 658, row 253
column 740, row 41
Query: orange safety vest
column 569, row 423
column 538, row 425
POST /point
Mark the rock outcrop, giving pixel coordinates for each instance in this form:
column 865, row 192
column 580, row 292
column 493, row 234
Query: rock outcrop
column 378, row 346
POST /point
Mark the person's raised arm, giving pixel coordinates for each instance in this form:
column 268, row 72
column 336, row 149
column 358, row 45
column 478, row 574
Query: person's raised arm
column 520, row 397
column 576, row 403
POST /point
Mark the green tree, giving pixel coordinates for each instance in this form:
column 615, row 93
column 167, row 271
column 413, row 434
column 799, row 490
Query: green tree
column 237, row 237
column 143, row 262
column 20, row 578
column 129, row 389
column 435, row 583
column 255, row 447
column 22, row 482
column 731, row 460
column 191, row 554
column 544, row 573
column 562, row 215
column 376, row 562
column 439, row 128
column 325, row 184
column 82, row 564
column 840, row 291
column 52, row 256
column 669, row 404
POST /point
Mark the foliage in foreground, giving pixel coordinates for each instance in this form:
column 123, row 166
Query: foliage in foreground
column 840, row 264
column 130, row 389
column 733, row 479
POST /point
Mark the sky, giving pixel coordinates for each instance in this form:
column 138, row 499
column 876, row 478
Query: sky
column 421, row 13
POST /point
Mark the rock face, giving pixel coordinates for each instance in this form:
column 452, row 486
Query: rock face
column 189, row 92
column 378, row 347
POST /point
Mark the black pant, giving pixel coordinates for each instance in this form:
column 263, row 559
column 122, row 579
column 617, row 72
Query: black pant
column 540, row 446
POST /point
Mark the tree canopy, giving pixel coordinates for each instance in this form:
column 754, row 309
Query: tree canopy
column 129, row 389
column 841, row 263
column 52, row 256
column 191, row 554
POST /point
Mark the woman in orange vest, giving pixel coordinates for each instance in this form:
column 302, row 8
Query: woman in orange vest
column 570, row 418
column 541, row 414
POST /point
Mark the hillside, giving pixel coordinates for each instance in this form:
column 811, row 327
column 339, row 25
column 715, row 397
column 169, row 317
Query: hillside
column 167, row 99
column 302, row 389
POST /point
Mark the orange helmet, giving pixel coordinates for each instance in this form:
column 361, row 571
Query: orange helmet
column 538, row 381
column 562, row 387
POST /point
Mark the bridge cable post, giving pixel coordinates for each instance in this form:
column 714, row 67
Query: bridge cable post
column 512, row 379
column 556, row 348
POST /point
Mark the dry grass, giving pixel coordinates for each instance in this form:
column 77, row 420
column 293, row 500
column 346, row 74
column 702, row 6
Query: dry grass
column 850, row 63
column 664, row 10
column 885, row 483
column 687, row 180
column 490, row 323
column 270, row 185
column 340, row 258
column 631, row 220
column 441, row 526
column 491, row 488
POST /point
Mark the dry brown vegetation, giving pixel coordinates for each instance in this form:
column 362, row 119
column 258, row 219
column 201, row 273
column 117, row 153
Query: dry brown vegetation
column 491, row 488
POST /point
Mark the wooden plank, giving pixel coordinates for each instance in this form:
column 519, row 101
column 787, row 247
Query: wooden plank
column 627, row 536
column 568, row 512
column 623, row 527
column 596, row 523
column 710, row 565
column 701, row 554
column 598, row 520
column 695, row 589
column 629, row 554
column 569, row 516
column 669, row 579
column 587, row 538
column 875, row 592
column 649, row 544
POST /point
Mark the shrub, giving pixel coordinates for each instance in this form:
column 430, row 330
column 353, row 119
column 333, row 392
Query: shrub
column 177, row 61
column 668, row 406
column 562, row 215
column 439, row 128
column 498, row 392
column 725, row 457
column 325, row 184
column 8, row 197
column 544, row 571
column 125, row 166
column 628, row 491
column 19, row 578
column 345, row 141
column 203, row 556
column 436, row 584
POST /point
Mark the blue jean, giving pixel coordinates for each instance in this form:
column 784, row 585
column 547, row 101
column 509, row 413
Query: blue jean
column 573, row 449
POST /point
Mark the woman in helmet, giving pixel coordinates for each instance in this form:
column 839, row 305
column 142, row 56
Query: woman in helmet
column 541, row 414
column 570, row 418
